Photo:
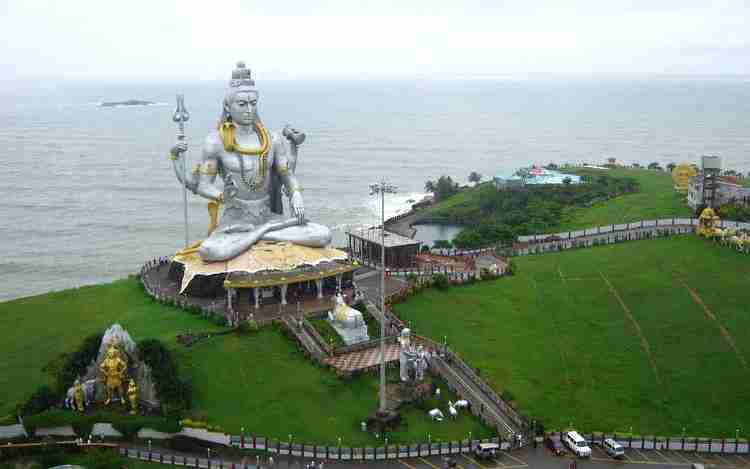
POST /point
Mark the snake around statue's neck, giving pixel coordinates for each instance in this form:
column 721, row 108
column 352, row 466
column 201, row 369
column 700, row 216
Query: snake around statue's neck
column 228, row 134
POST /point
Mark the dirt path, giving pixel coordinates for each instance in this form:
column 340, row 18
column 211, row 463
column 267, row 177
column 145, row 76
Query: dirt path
column 712, row 317
column 644, row 342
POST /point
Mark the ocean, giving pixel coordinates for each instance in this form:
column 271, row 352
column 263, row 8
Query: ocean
column 88, row 193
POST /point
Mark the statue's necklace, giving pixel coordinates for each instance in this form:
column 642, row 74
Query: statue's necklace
column 227, row 133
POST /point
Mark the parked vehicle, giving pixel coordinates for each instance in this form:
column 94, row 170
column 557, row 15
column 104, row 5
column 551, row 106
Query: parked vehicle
column 577, row 444
column 486, row 450
column 613, row 448
column 555, row 446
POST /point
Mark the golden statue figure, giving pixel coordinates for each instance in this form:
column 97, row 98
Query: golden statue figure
column 78, row 400
column 709, row 224
column 133, row 397
column 113, row 370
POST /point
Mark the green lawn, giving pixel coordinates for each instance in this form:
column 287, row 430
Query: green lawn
column 567, row 351
column 37, row 330
column 656, row 199
column 257, row 381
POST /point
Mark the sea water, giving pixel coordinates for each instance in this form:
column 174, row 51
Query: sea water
column 87, row 193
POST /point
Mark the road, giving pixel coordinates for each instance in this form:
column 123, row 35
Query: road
column 532, row 458
column 540, row 458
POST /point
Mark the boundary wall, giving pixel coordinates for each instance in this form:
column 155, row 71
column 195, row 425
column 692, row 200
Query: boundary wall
column 624, row 227
column 609, row 234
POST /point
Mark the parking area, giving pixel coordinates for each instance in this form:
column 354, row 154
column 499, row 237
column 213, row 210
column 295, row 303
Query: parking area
column 668, row 458
column 541, row 458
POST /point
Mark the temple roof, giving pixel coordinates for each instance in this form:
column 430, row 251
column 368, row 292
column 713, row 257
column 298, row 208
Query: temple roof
column 373, row 235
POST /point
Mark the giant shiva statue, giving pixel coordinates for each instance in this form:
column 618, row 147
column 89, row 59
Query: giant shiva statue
column 256, row 166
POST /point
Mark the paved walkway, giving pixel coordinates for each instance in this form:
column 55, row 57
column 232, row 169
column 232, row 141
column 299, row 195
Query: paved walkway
column 363, row 359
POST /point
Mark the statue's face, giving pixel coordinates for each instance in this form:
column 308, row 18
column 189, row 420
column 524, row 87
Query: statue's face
column 243, row 108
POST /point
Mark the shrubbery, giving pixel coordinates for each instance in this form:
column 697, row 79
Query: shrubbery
column 247, row 327
column 82, row 424
column 76, row 363
column 499, row 216
column 42, row 399
column 440, row 281
column 175, row 393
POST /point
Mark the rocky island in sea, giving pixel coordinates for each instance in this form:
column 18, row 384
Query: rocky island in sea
column 129, row 102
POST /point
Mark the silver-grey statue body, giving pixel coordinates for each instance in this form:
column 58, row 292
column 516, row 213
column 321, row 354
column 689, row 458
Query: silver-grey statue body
column 253, row 209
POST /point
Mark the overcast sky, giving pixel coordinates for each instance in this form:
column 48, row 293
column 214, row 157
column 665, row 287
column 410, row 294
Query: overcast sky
column 201, row 40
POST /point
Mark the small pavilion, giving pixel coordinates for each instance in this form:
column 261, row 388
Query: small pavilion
column 365, row 246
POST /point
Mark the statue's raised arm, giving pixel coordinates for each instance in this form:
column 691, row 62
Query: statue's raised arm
column 202, row 179
column 256, row 167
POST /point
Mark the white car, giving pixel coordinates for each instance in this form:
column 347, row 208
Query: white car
column 577, row 444
column 613, row 448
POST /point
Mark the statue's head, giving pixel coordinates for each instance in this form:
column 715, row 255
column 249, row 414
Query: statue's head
column 241, row 98
column 112, row 351
column 405, row 333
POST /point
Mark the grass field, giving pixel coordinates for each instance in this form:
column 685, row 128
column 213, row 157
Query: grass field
column 656, row 199
column 258, row 381
column 653, row 335
column 36, row 331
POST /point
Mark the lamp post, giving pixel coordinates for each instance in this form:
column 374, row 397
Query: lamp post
column 382, row 188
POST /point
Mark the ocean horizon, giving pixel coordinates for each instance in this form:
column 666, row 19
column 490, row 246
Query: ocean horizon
column 89, row 194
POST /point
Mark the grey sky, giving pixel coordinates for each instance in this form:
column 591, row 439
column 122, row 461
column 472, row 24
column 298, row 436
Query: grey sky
column 195, row 40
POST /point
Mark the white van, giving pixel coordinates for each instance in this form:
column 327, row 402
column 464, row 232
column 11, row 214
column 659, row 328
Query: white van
column 613, row 448
column 486, row 450
column 576, row 444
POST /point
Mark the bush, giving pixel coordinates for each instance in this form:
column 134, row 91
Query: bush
column 440, row 281
column 103, row 459
column 42, row 399
column 175, row 393
column 247, row 327
column 442, row 244
column 76, row 363
column 507, row 396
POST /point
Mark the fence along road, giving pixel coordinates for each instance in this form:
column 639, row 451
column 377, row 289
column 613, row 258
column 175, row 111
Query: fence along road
column 482, row 404
column 484, row 401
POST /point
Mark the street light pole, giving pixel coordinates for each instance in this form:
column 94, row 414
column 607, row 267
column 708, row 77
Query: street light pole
column 381, row 188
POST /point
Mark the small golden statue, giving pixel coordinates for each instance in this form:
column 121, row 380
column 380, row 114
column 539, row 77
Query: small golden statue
column 133, row 397
column 709, row 224
column 78, row 399
column 113, row 369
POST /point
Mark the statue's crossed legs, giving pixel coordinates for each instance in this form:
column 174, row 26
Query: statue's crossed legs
column 227, row 243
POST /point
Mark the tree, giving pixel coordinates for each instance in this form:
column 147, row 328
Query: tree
column 444, row 188
column 671, row 167
column 567, row 180
column 654, row 165
column 636, row 165
column 429, row 186
column 475, row 177
column 442, row 244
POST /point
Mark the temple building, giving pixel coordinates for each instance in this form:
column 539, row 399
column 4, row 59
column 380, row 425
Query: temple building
column 365, row 247
column 708, row 188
